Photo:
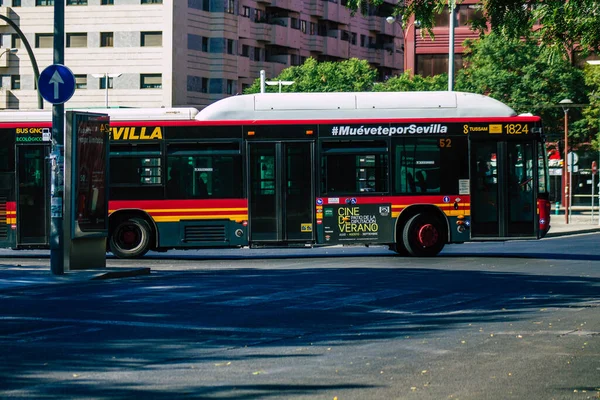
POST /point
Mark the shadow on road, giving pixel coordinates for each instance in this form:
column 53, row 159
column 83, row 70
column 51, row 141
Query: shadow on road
column 185, row 324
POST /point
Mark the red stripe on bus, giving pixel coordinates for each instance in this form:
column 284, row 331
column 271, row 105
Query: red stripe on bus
column 178, row 204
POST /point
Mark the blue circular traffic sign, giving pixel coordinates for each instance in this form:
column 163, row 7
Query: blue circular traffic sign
column 56, row 84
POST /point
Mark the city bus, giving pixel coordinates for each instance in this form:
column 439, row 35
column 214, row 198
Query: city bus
column 410, row 170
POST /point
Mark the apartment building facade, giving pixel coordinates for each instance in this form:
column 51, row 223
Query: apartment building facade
column 163, row 53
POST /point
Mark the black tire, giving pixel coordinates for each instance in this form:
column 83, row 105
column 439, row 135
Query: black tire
column 131, row 238
column 424, row 236
column 399, row 248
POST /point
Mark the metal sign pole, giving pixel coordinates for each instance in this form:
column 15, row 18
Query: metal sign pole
column 57, row 262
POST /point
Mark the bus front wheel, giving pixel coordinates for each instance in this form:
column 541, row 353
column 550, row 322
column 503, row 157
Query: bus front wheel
column 131, row 238
column 423, row 236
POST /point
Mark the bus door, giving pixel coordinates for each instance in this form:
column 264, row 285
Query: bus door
column 281, row 191
column 503, row 190
column 32, row 195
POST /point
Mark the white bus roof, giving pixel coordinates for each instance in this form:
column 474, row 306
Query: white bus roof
column 354, row 105
column 116, row 114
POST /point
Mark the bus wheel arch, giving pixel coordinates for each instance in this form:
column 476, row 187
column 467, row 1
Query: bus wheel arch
column 421, row 231
column 131, row 234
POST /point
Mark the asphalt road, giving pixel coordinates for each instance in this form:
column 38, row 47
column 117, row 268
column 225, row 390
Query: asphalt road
column 514, row 320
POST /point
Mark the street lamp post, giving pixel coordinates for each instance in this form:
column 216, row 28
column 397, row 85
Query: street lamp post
column 279, row 83
column 106, row 75
column 36, row 70
column 452, row 19
column 566, row 165
column 390, row 20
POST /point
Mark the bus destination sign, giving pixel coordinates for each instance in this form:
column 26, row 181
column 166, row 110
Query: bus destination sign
column 364, row 223
column 428, row 129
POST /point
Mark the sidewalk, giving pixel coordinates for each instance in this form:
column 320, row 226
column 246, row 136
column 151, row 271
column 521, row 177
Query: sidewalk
column 578, row 223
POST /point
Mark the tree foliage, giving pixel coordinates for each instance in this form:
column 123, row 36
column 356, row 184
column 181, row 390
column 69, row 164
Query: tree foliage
column 563, row 25
column 591, row 114
column 407, row 83
column 521, row 74
column 351, row 75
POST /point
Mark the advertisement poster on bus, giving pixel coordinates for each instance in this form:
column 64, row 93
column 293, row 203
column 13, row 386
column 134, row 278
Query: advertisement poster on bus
column 90, row 169
column 359, row 223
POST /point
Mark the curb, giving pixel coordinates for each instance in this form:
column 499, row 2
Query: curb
column 570, row 233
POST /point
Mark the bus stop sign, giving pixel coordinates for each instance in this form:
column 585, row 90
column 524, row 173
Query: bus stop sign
column 56, row 84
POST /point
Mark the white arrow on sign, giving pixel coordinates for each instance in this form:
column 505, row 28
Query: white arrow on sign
column 56, row 80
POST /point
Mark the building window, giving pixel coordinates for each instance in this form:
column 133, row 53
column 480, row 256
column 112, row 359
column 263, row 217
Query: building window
column 435, row 64
column 303, row 26
column 16, row 3
column 257, row 54
column 245, row 50
column 442, row 19
column 205, row 44
column 246, row 11
column 76, row 40
column 259, row 15
column 80, row 81
column 294, row 23
column 151, row 2
column 151, row 39
column 151, row 81
column 44, row 2
column 313, row 28
column 16, row 41
column 44, row 40
column 102, row 81
column 230, row 7
column 106, row 39
column 77, row 2
column 229, row 46
column 15, row 82
column 229, row 86
column 204, row 85
column 107, row 2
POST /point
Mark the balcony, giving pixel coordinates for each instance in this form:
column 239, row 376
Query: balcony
column 292, row 5
column 335, row 47
column 316, row 44
column 244, row 26
column 261, row 31
column 4, row 95
column 4, row 11
column 243, row 67
column 337, row 13
column 316, row 8
column 283, row 35
column 375, row 56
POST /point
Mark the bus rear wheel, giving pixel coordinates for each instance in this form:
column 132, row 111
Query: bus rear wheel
column 131, row 238
column 424, row 236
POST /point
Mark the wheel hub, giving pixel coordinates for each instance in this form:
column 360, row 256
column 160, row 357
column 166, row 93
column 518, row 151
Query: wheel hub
column 428, row 235
column 129, row 237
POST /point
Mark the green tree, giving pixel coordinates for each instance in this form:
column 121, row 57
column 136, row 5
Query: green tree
column 591, row 114
column 521, row 74
column 565, row 26
column 351, row 75
column 407, row 83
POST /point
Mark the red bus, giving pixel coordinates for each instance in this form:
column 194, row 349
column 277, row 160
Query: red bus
column 412, row 170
